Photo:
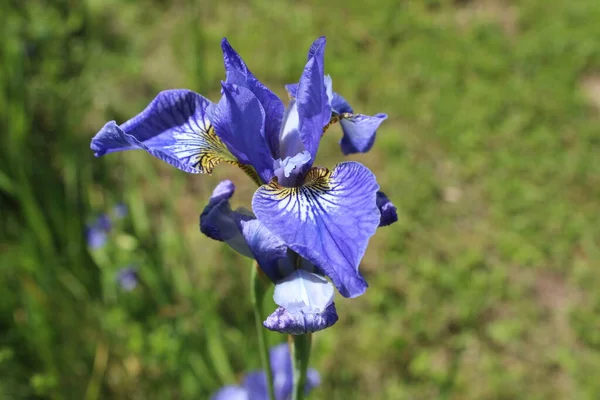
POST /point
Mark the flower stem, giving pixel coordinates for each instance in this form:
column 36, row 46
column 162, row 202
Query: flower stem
column 300, row 349
column 259, row 285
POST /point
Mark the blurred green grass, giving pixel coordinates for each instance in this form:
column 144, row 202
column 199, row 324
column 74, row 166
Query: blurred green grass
column 486, row 288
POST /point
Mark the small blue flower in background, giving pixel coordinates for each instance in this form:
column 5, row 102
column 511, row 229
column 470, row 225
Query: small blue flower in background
column 254, row 386
column 120, row 211
column 307, row 223
column 97, row 232
column 127, row 278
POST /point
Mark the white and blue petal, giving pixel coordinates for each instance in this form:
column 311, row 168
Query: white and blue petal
column 175, row 128
column 239, row 119
column 300, row 323
column 314, row 111
column 329, row 220
column 359, row 132
column 387, row 210
column 305, row 301
column 239, row 74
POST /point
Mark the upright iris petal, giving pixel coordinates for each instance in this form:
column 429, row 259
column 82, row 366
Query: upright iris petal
column 240, row 120
column 312, row 103
column 328, row 220
column 359, row 130
column 239, row 74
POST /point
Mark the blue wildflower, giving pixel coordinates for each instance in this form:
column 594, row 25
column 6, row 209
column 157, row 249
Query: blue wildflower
column 254, row 386
column 307, row 223
column 120, row 211
column 128, row 278
column 97, row 232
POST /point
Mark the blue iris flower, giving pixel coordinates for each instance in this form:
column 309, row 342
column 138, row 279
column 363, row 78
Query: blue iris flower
column 97, row 232
column 128, row 278
column 254, row 386
column 307, row 223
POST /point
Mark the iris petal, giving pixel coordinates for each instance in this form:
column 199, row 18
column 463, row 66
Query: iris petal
column 231, row 392
column 239, row 74
column 387, row 209
column 243, row 232
column 314, row 111
column 359, row 132
column 303, row 291
column 329, row 220
column 281, row 364
column 300, row 323
column 174, row 128
column 239, row 118
column 219, row 222
column 267, row 249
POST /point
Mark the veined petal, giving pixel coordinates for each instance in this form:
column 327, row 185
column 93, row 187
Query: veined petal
column 314, row 111
column 239, row 74
column 175, row 128
column 244, row 233
column 359, row 132
column 267, row 249
column 329, row 220
column 219, row 222
column 239, row 118
column 387, row 209
column 305, row 301
column 300, row 323
column 231, row 392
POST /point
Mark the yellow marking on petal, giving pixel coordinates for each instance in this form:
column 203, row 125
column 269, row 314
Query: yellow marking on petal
column 212, row 151
column 335, row 118
column 317, row 181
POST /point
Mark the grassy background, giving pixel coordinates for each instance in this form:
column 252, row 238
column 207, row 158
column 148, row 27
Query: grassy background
column 486, row 288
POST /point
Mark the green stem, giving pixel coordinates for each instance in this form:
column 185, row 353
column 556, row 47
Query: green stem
column 300, row 349
column 259, row 284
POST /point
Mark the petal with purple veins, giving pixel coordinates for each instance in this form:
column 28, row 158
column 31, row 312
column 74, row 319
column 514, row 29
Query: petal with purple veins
column 329, row 220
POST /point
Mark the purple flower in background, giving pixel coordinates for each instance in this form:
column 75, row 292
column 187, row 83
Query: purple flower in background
column 120, row 211
column 307, row 223
column 128, row 278
column 97, row 232
column 254, row 386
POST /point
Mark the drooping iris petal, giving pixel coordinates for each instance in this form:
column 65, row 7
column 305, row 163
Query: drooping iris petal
column 239, row 74
column 314, row 111
column 328, row 220
column 267, row 249
column 174, row 128
column 232, row 392
column 387, row 209
column 300, row 323
column 219, row 222
column 359, row 132
column 239, row 118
